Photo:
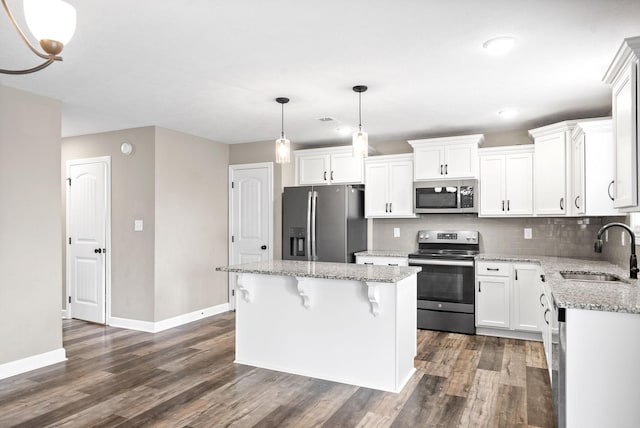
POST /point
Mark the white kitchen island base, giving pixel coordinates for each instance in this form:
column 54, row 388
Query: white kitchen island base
column 355, row 332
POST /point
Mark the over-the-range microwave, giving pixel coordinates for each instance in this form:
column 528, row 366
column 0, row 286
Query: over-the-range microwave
column 451, row 196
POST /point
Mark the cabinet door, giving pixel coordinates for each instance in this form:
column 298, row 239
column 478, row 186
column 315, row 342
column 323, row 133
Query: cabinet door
column 492, row 192
column 312, row 169
column 578, row 206
column 460, row 160
column 625, row 131
column 401, row 188
column 345, row 168
column 492, row 302
column 550, row 175
column 526, row 298
column 519, row 184
column 376, row 190
column 428, row 162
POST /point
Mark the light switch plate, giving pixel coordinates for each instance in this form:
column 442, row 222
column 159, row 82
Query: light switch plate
column 396, row 232
column 528, row 233
column 138, row 225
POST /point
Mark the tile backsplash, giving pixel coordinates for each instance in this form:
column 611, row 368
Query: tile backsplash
column 563, row 237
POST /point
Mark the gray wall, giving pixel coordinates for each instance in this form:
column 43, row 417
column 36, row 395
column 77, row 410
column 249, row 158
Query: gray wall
column 191, row 218
column 30, row 256
column 132, row 197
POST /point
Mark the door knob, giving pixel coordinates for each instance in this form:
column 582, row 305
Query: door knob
column 264, row 247
column 98, row 250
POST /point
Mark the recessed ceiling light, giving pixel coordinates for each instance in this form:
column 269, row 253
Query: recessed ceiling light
column 508, row 113
column 499, row 45
column 344, row 130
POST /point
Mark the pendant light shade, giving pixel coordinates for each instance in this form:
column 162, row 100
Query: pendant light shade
column 283, row 145
column 360, row 138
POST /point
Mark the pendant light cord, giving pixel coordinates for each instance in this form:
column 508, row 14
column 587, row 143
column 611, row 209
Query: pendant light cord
column 282, row 124
column 360, row 111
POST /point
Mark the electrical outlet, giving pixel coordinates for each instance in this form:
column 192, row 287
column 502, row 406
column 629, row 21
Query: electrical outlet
column 396, row 232
column 528, row 234
column 622, row 238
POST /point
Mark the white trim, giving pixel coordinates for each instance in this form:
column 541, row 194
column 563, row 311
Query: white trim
column 64, row 314
column 158, row 326
column 33, row 362
column 107, row 230
column 535, row 336
column 232, row 169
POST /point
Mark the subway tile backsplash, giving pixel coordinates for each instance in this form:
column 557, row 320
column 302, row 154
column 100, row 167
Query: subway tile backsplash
column 562, row 237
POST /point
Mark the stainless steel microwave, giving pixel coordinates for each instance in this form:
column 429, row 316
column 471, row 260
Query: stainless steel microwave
column 454, row 196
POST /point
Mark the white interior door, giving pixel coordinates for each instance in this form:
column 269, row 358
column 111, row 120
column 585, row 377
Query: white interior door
column 250, row 216
column 87, row 215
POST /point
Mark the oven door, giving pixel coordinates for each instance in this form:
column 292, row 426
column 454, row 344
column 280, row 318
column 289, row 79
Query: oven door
column 446, row 285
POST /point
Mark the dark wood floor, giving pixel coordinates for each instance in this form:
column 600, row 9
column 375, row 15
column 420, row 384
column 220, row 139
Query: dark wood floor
column 185, row 377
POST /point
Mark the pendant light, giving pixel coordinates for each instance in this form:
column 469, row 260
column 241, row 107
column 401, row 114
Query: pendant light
column 360, row 138
column 283, row 149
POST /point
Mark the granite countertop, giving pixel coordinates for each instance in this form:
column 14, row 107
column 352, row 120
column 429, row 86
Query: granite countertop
column 618, row 296
column 341, row 271
column 383, row 253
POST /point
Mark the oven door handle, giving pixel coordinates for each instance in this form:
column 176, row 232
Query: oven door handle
column 441, row 262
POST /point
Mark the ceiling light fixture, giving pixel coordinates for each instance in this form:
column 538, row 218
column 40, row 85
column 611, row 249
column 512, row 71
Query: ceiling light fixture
column 499, row 45
column 508, row 113
column 360, row 138
column 283, row 147
column 52, row 22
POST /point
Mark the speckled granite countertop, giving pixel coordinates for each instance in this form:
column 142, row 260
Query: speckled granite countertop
column 619, row 296
column 383, row 253
column 343, row 271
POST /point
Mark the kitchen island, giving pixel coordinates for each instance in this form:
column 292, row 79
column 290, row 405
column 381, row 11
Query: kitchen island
column 343, row 322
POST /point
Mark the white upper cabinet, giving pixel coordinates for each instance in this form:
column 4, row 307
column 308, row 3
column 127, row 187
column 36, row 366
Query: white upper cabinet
column 446, row 158
column 593, row 168
column 334, row 165
column 552, row 169
column 389, row 186
column 506, row 181
column 624, row 77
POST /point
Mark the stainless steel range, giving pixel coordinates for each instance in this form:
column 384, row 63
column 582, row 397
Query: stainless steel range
column 446, row 284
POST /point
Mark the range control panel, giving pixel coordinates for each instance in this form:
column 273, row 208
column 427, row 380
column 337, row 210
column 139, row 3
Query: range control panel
column 448, row 236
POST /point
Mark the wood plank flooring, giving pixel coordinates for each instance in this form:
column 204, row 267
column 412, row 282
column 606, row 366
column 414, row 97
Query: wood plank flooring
column 186, row 377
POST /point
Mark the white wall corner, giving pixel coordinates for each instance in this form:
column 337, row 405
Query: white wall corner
column 23, row 365
column 155, row 327
column 64, row 314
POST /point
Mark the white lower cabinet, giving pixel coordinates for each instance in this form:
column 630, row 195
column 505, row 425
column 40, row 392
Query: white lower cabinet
column 507, row 299
column 382, row 260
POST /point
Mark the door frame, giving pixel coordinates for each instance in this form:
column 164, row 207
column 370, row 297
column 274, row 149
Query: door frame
column 107, row 259
column 232, row 169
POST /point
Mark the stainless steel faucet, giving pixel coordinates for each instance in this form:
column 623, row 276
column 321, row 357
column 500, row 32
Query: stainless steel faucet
column 633, row 260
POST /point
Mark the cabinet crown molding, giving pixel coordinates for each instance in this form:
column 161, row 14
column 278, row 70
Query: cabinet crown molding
column 501, row 150
column 593, row 125
column 628, row 51
column 334, row 149
column 474, row 138
column 567, row 125
column 387, row 158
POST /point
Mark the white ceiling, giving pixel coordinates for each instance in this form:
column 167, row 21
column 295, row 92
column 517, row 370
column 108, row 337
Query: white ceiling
column 213, row 68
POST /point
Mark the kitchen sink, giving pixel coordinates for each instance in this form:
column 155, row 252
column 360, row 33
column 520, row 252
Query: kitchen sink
column 590, row 276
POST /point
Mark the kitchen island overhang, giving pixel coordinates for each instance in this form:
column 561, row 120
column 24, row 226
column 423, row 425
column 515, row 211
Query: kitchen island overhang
column 342, row 322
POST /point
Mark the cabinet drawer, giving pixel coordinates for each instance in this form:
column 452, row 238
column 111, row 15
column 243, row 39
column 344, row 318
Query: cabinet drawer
column 494, row 269
column 381, row 260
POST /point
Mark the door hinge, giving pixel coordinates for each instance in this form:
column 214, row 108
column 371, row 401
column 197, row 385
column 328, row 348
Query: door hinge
column 69, row 299
column 69, row 240
column 233, row 238
column 69, row 180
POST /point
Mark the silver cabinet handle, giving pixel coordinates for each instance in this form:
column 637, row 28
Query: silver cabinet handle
column 393, row 264
column 508, row 205
column 561, row 203
column 494, row 269
column 441, row 173
column 546, row 311
column 576, row 202
column 368, row 263
column 609, row 190
column 446, row 168
column 325, row 176
column 541, row 296
column 503, row 205
column 479, row 286
column 390, row 207
column 331, row 175
column 516, row 274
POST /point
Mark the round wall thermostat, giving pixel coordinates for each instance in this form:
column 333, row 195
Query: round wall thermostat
column 126, row 148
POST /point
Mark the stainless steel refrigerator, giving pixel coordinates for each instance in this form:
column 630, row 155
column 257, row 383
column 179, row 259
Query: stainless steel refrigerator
column 323, row 223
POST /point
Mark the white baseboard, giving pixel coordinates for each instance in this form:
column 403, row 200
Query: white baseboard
column 23, row 365
column 509, row 334
column 155, row 327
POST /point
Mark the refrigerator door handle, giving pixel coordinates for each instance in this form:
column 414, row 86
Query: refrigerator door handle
column 314, row 217
column 309, row 195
